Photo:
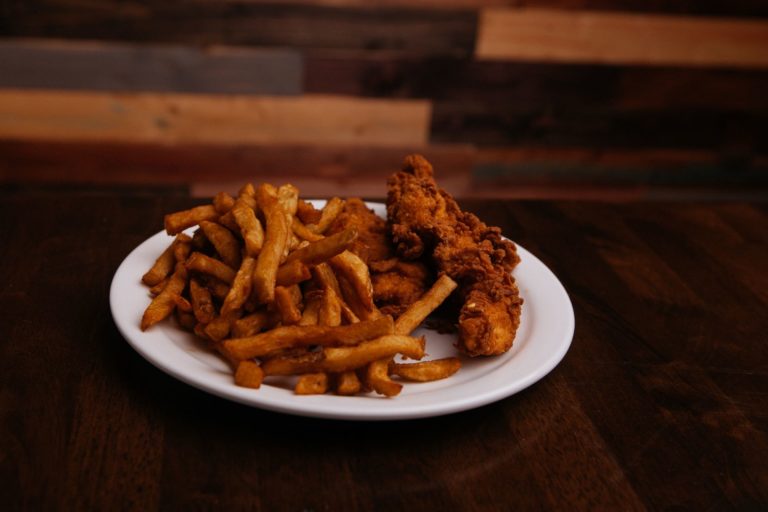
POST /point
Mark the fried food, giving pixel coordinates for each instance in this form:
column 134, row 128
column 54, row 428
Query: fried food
column 396, row 283
column 280, row 288
column 425, row 221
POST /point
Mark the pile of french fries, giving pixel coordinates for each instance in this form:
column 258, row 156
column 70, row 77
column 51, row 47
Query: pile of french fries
column 261, row 282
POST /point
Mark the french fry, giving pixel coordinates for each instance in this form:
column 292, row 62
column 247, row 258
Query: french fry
column 427, row 370
column 330, row 211
column 218, row 288
column 355, row 271
column 265, row 275
column 347, row 383
column 307, row 213
column 248, row 191
column 223, row 202
column 324, row 276
column 156, row 289
column 250, row 227
column 288, row 196
column 419, row 310
column 206, row 265
column 186, row 320
column 250, row 325
column 164, row 264
column 182, row 304
column 342, row 359
column 179, row 221
column 303, row 232
column 202, row 302
column 297, row 336
column 312, row 302
column 249, row 375
column 224, row 241
column 329, row 312
column 285, row 304
column 325, row 248
column 241, row 287
column 164, row 304
column 292, row 272
column 312, row 384
column 219, row 327
column 182, row 248
column 377, row 377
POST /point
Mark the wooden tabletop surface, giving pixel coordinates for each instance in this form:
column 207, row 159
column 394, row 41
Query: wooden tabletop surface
column 660, row 404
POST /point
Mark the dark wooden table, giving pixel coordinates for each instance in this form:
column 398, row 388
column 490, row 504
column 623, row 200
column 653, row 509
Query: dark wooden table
column 660, row 404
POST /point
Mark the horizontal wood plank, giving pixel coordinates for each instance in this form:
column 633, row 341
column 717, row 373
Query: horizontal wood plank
column 536, row 85
column 618, row 38
column 183, row 118
column 204, row 23
column 62, row 64
column 358, row 170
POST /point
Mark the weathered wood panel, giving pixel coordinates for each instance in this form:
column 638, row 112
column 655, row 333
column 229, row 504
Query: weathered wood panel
column 203, row 23
column 619, row 38
column 66, row 64
column 183, row 118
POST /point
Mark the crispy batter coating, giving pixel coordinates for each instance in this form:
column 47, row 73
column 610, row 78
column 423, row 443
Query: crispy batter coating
column 426, row 221
column 396, row 283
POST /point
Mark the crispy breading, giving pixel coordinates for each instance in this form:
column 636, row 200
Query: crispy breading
column 425, row 221
column 396, row 283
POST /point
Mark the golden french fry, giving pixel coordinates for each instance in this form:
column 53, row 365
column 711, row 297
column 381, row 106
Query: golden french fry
column 308, row 213
column 156, row 289
column 303, row 232
column 341, row 359
column 162, row 267
column 218, row 288
column 330, row 211
column 182, row 248
column 165, row 302
column 285, row 304
column 206, row 265
column 377, row 377
column 301, row 336
column 265, row 275
column 312, row 302
column 325, row 248
column 312, row 384
column 224, row 241
column 330, row 308
column 186, row 320
column 182, row 304
column 292, row 272
column 250, row 325
column 250, row 227
column 223, row 202
column 202, row 302
column 427, row 370
column 419, row 310
column 241, row 287
column 179, row 221
column 247, row 191
column 324, row 276
column 355, row 271
column 288, row 196
column 219, row 327
column 249, row 375
column 347, row 383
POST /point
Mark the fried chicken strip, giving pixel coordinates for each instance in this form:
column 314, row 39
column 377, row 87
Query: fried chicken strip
column 425, row 221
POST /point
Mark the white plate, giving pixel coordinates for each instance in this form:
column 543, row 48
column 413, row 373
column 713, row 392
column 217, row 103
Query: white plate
column 545, row 333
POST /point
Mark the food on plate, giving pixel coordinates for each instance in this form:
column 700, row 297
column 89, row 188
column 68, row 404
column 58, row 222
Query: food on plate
column 278, row 287
column 426, row 222
column 331, row 296
column 396, row 283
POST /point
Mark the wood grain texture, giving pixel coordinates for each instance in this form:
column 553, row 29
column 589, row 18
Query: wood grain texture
column 204, row 23
column 617, row 38
column 57, row 64
column 180, row 118
column 659, row 404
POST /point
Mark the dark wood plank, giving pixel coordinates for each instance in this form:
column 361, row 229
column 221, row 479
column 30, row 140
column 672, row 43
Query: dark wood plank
column 201, row 22
column 132, row 67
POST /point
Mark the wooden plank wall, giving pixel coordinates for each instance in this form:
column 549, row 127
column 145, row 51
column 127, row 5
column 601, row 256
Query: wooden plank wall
column 576, row 98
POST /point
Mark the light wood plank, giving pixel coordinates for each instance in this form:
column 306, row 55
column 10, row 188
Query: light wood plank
column 615, row 38
column 184, row 118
